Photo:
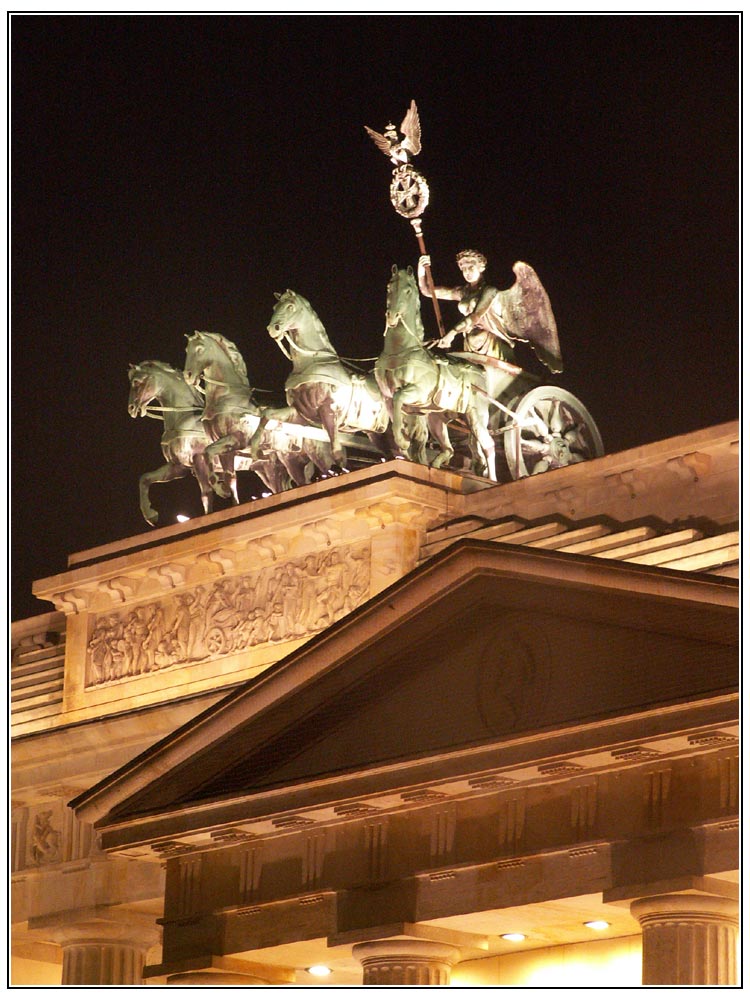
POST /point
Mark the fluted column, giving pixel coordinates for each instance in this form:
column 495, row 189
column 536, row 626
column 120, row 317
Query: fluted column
column 406, row 962
column 98, row 950
column 688, row 939
column 102, row 963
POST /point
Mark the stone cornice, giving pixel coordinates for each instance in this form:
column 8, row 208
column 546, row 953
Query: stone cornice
column 690, row 475
column 574, row 756
column 384, row 614
column 239, row 540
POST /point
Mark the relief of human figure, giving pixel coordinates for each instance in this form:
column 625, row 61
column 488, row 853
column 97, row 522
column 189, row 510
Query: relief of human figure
column 187, row 624
column 100, row 651
column 155, row 628
column 494, row 320
column 45, row 840
column 284, row 596
column 333, row 572
column 135, row 634
column 358, row 568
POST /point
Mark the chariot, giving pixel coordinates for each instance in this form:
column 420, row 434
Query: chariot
column 537, row 427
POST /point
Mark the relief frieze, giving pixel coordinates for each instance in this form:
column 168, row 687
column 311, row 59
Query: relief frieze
column 285, row 601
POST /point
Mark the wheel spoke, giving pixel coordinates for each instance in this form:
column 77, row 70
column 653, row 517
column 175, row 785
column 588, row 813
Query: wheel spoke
column 576, row 440
column 553, row 430
column 535, row 419
column 534, row 447
column 555, row 417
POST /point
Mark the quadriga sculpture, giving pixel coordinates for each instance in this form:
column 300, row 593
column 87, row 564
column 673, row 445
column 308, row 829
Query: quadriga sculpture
column 280, row 458
column 414, row 380
column 184, row 440
column 323, row 391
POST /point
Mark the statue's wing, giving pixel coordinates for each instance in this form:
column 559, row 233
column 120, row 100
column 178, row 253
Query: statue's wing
column 526, row 314
column 380, row 141
column 412, row 130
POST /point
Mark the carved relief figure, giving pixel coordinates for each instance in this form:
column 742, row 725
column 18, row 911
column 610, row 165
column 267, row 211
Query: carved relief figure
column 274, row 604
column 45, row 840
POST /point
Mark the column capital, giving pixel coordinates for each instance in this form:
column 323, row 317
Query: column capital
column 99, row 924
column 101, row 946
column 406, row 962
column 689, row 939
column 675, row 906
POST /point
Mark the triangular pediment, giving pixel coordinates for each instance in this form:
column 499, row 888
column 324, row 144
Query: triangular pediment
column 482, row 644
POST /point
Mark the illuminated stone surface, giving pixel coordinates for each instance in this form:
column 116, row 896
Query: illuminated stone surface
column 506, row 727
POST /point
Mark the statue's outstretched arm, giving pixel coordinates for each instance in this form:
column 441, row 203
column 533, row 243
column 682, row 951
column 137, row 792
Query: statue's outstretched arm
column 441, row 292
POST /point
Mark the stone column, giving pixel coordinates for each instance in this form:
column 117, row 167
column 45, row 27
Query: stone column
column 689, row 939
column 101, row 954
column 100, row 946
column 406, row 962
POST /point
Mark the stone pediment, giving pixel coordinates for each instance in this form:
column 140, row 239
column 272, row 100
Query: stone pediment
column 480, row 655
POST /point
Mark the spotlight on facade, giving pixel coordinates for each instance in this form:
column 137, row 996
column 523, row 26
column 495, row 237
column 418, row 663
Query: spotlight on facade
column 596, row 925
column 319, row 970
column 513, row 937
column 181, row 518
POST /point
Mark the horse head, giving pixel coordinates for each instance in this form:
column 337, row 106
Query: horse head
column 151, row 380
column 402, row 302
column 207, row 350
column 197, row 358
column 143, row 387
column 285, row 314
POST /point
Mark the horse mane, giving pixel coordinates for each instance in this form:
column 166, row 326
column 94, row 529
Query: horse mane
column 238, row 362
column 176, row 373
column 163, row 366
column 409, row 275
column 319, row 328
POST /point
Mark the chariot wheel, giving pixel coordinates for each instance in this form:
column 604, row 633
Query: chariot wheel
column 215, row 641
column 552, row 429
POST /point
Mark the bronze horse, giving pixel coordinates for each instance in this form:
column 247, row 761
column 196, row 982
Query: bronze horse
column 280, row 458
column 184, row 441
column 415, row 381
column 322, row 390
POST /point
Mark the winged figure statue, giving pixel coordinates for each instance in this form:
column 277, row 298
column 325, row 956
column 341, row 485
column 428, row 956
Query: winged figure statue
column 400, row 151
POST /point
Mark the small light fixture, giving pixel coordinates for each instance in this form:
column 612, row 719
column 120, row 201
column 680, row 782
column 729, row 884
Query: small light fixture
column 596, row 925
column 181, row 518
column 513, row 937
column 319, row 970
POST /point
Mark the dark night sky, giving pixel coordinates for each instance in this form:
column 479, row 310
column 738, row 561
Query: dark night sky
column 170, row 173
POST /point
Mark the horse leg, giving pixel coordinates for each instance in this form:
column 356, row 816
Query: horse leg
column 438, row 424
column 321, row 455
column 224, row 449
column 202, row 472
column 406, row 395
column 329, row 420
column 284, row 414
column 274, row 475
column 295, row 464
column 418, row 439
column 478, row 418
column 163, row 475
